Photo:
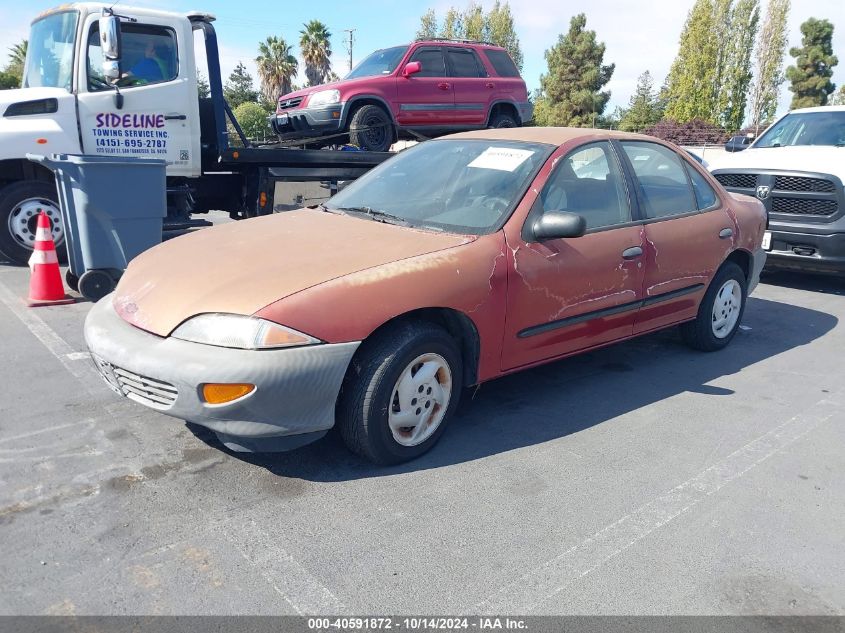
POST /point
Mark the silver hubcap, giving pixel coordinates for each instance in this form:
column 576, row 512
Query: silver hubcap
column 726, row 308
column 23, row 221
column 420, row 399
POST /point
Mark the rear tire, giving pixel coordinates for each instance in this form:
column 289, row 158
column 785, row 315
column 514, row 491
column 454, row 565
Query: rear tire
column 20, row 204
column 503, row 119
column 720, row 312
column 371, row 129
column 399, row 392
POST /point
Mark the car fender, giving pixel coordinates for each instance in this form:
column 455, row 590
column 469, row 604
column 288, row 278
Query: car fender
column 352, row 101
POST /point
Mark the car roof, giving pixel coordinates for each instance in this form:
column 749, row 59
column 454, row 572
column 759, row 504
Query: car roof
column 548, row 135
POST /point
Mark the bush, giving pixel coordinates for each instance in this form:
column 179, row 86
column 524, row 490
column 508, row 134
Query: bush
column 253, row 120
column 695, row 132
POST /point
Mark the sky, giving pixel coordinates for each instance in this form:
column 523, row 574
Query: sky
column 639, row 35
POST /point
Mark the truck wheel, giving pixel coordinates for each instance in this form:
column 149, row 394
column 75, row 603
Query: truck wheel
column 20, row 204
column 720, row 312
column 503, row 119
column 371, row 129
column 399, row 392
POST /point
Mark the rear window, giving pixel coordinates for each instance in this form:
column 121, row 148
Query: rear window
column 464, row 63
column 502, row 63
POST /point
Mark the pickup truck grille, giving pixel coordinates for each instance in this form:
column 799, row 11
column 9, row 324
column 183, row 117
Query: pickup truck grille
column 808, row 197
column 287, row 104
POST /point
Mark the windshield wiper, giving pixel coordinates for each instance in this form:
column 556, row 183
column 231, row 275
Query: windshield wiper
column 377, row 215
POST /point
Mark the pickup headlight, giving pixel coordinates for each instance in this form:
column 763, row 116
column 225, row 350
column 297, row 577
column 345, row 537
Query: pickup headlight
column 240, row 332
column 324, row 97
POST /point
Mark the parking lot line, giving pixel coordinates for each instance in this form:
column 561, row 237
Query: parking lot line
column 551, row 577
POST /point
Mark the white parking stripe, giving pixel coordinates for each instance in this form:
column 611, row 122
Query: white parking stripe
column 551, row 577
column 289, row 579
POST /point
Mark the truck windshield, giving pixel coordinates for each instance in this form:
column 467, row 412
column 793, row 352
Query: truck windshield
column 806, row 128
column 49, row 55
column 382, row 62
column 467, row 186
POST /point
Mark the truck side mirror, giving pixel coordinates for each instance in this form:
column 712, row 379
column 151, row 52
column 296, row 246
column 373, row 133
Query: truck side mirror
column 110, row 46
column 411, row 68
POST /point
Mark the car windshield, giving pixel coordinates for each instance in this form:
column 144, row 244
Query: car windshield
column 467, row 186
column 806, row 128
column 382, row 62
column 49, row 55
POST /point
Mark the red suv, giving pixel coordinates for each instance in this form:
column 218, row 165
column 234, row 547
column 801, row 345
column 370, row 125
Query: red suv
column 430, row 87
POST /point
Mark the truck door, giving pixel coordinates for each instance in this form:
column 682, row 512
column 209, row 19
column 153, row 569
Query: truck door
column 159, row 117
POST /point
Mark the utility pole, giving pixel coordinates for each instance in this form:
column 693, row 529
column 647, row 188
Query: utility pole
column 349, row 42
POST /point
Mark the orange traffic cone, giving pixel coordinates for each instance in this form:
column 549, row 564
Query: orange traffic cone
column 45, row 283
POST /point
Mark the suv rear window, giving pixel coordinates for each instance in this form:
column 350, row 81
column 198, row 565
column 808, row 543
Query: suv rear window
column 464, row 63
column 502, row 63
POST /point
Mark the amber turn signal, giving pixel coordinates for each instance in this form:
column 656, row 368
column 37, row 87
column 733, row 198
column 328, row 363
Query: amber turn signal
column 221, row 393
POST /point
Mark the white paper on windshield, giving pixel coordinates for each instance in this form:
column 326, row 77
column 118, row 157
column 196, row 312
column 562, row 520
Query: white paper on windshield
column 501, row 158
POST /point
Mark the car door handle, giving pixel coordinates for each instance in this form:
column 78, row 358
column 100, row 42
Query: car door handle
column 490, row 84
column 175, row 117
column 632, row 253
column 444, row 86
column 725, row 234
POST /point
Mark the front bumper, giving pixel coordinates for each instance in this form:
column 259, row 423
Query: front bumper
column 294, row 398
column 308, row 122
column 814, row 252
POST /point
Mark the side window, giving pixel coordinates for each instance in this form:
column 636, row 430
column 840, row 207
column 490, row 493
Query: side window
column 662, row 179
column 431, row 60
column 705, row 196
column 589, row 182
column 502, row 63
column 149, row 56
column 463, row 63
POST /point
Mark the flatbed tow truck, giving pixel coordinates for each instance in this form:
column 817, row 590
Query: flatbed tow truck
column 124, row 83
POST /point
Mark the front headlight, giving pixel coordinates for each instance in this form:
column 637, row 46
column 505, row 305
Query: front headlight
column 240, row 332
column 324, row 97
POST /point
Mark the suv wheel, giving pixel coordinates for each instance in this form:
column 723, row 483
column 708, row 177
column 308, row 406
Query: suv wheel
column 371, row 128
column 503, row 119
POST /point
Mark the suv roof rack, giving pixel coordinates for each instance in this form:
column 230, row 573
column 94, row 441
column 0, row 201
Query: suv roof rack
column 453, row 39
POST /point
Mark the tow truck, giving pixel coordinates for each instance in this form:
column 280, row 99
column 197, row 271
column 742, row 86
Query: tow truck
column 123, row 82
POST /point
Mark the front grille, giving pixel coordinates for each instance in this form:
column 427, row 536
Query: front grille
column 148, row 391
column 802, row 183
column 737, row 181
column 287, row 104
column 803, row 206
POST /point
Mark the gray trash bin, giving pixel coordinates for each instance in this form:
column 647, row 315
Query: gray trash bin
column 112, row 208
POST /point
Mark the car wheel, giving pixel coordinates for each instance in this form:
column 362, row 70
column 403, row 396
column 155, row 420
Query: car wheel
column 20, row 205
column 503, row 120
column 400, row 391
column 371, row 129
column 720, row 312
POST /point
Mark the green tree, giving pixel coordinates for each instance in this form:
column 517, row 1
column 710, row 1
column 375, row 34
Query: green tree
column 474, row 23
column 8, row 80
column 316, row 47
column 502, row 31
column 453, row 27
column 814, row 62
column 768, row 65
column 838, row 98
column 239, row 87
column 571, row 92
column 428, row 26
column 693, row 82
column 253, row 120
column 276, row 67
column 17, row 58
column 644, row 107
column 736, row 75
column 203, row 89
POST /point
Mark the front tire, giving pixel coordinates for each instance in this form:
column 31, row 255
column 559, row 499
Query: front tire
column 20, row 204
column 720, row 312
column 371, row 129
column 399, row 393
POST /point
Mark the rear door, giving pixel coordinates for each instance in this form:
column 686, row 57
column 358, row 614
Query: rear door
column 688, row 233
column 566, row 295
column 426, row 98
column 472, row 87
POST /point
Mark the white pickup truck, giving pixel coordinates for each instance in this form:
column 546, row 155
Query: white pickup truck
column 797, row 169
column 123, row 82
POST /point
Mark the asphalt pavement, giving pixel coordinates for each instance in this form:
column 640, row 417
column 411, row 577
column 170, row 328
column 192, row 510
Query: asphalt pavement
column 643, row 478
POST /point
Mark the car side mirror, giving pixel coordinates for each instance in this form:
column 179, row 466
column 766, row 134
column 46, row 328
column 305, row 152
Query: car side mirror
column 555, row 225
column 411, row 68
column 110, row 46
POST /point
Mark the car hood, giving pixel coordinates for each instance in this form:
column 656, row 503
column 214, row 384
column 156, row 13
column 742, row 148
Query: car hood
column 341, row 83
column 241, row 267
column 824, row 159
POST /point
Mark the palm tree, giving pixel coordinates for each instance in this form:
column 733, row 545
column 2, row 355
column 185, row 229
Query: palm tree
column 17, row 57
column 276, row 67
column 316, row 51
